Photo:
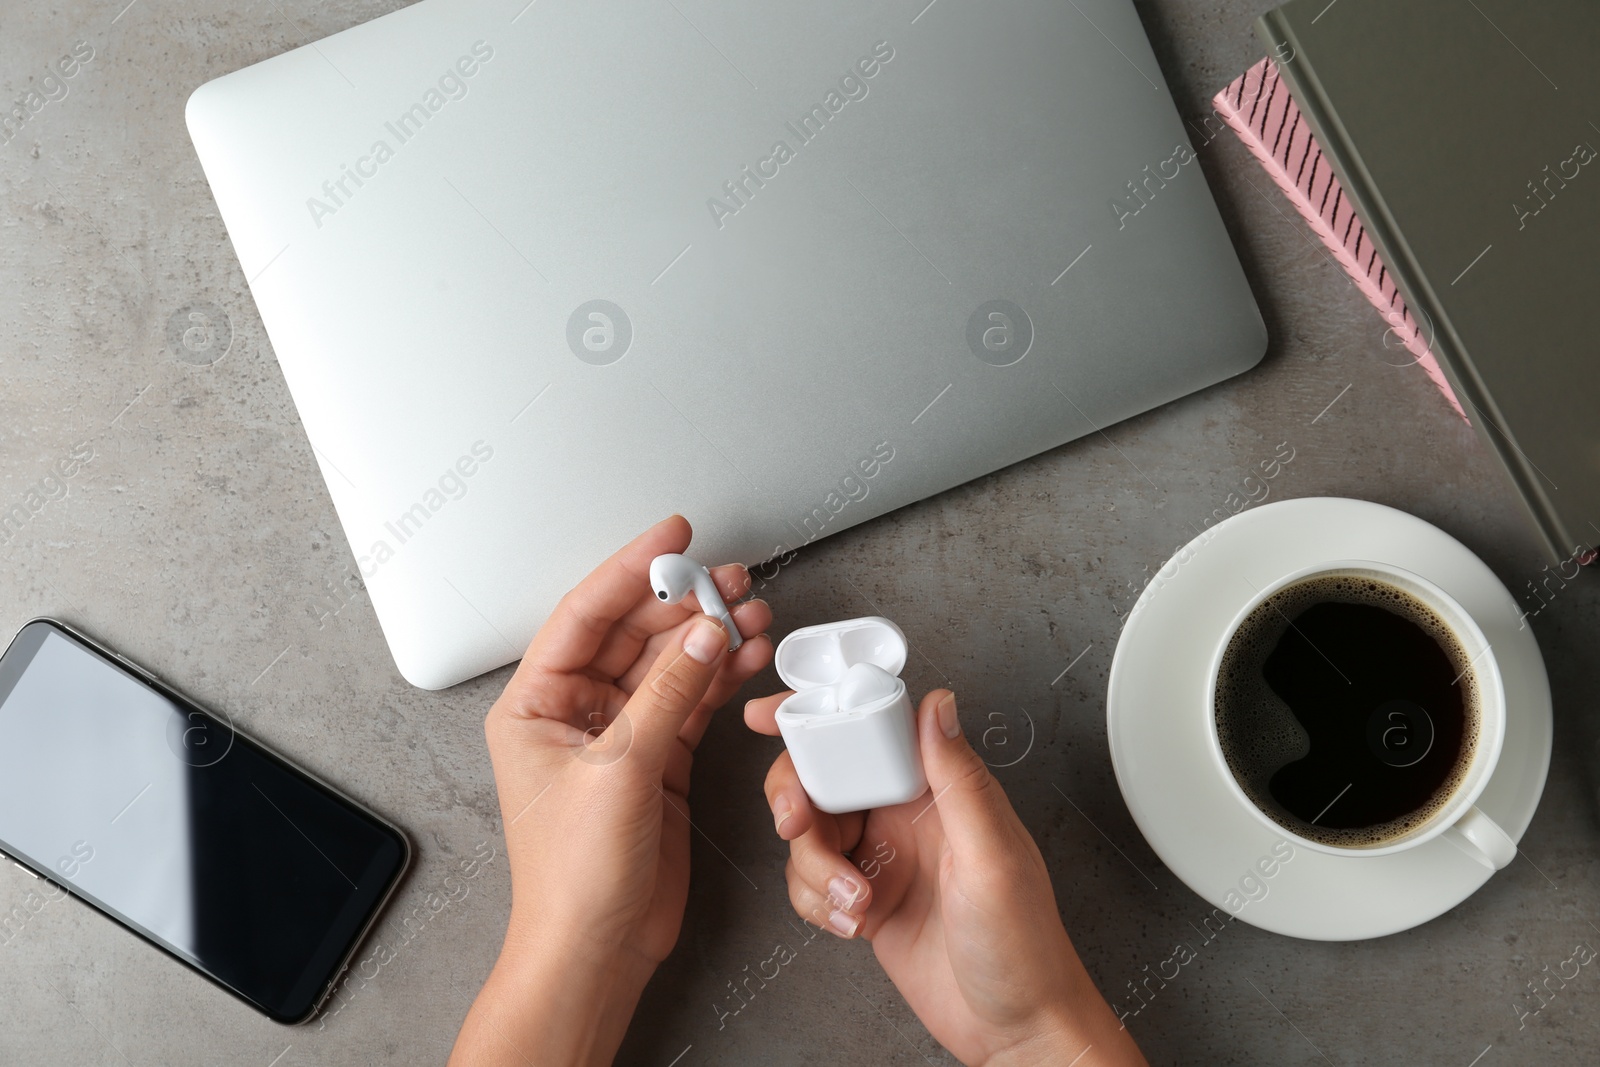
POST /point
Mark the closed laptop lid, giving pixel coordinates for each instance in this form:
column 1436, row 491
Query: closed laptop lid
column 540, row 274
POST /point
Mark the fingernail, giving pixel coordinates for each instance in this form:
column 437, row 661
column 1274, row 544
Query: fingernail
column 844, row 893
column 844, row 925
column 782, row 810
column 947, row 717
column 706, row 640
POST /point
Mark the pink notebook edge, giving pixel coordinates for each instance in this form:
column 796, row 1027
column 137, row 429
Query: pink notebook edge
column 1238, row 104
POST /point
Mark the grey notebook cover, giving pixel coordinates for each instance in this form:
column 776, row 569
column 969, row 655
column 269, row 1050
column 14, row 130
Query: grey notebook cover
column 1466, row 132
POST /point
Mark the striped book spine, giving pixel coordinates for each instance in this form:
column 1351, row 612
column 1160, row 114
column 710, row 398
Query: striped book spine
column 1258, row 107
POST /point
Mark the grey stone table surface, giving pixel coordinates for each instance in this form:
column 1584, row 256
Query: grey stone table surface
column 198, row 539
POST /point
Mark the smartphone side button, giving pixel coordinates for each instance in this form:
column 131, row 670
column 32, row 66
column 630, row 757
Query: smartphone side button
column 138, row 671
column 24, row 870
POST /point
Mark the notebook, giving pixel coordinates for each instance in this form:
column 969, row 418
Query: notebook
column 1258, row 107
column 1465, row 135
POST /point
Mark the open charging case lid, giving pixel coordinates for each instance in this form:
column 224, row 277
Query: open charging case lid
column 855, row 759
column 815, row 657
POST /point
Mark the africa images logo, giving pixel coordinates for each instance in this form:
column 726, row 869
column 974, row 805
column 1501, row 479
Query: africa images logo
column 738, row 191
column 599, row 332
column 999, row 333
column 49, row 89
column 452, row 85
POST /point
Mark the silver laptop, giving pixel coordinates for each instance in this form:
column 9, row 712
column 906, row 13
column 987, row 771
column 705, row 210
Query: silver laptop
column 541, row 273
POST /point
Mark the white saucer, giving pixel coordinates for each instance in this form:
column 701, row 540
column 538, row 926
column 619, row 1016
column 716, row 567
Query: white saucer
column 1156, row 711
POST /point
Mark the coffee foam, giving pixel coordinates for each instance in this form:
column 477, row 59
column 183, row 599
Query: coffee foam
column 1258, row 732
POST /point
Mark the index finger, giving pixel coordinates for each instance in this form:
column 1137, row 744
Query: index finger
column 572, row 635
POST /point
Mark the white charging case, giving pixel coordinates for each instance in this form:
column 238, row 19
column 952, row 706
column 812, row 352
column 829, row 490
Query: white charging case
column 865, row 757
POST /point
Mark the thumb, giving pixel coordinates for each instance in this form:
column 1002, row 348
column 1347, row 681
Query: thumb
column 976, row 815
column 676, row 684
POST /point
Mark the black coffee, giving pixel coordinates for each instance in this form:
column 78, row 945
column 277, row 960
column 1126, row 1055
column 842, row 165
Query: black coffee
column 1346, row 709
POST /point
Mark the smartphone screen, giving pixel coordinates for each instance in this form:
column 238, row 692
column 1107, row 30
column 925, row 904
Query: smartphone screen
column 168, row 820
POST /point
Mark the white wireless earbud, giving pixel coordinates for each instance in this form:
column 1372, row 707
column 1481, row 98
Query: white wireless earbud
column 674, row 577
column 864, row 684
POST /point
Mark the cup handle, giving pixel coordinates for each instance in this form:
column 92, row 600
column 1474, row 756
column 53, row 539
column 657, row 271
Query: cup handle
column 1481, row 838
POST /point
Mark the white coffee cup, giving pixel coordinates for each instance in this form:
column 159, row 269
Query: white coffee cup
column 1458, row 819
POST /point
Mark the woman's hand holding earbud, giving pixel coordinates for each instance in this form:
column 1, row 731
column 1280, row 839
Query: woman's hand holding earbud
column 954, row 896
column 591, row 742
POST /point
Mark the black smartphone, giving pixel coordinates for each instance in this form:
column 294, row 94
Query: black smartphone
column 161, row 815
